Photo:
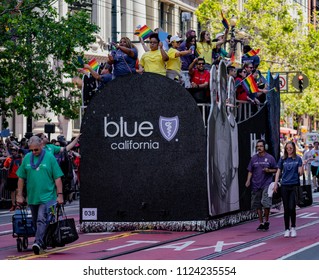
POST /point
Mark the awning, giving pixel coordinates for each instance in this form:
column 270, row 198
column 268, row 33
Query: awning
column 286, row 130
column 99, row 58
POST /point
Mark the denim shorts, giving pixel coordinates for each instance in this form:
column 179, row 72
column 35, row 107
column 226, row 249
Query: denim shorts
column 260, row 198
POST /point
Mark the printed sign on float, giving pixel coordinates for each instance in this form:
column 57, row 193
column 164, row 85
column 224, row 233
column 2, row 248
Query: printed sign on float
column 143, row 144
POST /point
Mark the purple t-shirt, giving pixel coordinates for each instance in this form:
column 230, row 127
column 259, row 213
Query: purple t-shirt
column 261, row 179
column 123, row 63
column 186, row 59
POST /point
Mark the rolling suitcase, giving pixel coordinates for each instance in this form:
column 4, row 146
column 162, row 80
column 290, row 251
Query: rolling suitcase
column 304, row 194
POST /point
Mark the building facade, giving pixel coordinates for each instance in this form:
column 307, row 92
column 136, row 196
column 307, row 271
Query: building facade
column 116, row 19
column 119, row 18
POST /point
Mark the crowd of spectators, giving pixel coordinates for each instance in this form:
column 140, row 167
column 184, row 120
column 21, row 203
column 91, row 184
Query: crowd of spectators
column 13, row 151
column 187, row 61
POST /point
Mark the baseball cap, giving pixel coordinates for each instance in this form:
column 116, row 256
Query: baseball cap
column 219, row 35
column 175, row 38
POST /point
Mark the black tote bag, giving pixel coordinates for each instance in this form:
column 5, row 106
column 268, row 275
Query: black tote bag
column 62, row 231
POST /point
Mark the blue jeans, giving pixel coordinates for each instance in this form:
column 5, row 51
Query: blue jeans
column 40, row 218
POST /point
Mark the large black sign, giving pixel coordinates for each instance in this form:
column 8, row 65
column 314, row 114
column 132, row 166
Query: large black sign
column 143, row 148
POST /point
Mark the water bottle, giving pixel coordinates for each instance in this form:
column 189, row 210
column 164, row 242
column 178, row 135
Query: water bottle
column 192, row 48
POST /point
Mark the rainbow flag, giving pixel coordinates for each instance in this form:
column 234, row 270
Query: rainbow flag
column 144, row 32
column 252, row 52
column 315, row 155
column 94, row 64
column 225, row 21
column 250, row 85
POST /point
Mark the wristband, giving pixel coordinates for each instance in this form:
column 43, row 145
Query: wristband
column 60, row 193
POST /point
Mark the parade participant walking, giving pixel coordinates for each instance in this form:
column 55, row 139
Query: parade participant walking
column 307, row 156
column 261, row 168
column 290, row 166
column 44, row 187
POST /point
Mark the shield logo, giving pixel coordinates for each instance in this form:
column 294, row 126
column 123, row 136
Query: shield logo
column 168, row 127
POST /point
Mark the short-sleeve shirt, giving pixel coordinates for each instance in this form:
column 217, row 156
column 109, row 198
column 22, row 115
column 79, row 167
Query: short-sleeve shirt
column 152, row 61
column 15, row 165
column 289, row 168
column 105, row 78
column 205, row 50
column 41, row 181
column 257, row 164
column 174, row 63
column 200, row 78
column 123, row 63
column 52, row 149
column 187, row 59
column 314, row 154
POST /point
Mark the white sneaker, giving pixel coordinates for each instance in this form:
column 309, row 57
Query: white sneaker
column 287, row 233
column 293, row 232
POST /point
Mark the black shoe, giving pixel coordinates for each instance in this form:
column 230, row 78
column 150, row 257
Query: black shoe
column 37, row 250
column 261, row 227
column 266, row 225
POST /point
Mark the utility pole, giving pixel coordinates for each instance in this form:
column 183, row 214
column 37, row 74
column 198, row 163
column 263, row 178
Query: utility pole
column 114, row 21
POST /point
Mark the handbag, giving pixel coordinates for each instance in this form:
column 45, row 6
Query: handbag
column 304, row 194
column 62, row 231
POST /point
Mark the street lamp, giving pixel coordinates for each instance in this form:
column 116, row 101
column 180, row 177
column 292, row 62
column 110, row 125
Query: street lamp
column 236, row 36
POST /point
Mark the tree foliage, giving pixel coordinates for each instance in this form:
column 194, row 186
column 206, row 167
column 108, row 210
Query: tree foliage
column 36, row 52
column 286, row 41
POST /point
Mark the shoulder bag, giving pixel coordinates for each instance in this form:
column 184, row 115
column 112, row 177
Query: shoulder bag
column 62, row 231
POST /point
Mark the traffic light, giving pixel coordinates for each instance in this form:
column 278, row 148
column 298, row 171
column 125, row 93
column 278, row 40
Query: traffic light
column 300, row 81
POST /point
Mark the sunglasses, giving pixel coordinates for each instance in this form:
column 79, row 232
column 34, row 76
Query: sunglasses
column 33, row 150
column 244, row 72
column 200, row 63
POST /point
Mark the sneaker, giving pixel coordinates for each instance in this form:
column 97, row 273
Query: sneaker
column 266, row 225
column 261, row 227
column 37, row 250
column 287, row 233
column 293, row 232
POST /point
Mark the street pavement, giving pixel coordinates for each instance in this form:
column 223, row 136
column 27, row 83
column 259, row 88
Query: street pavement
column 239, row 242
